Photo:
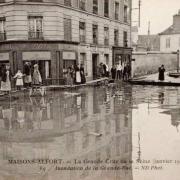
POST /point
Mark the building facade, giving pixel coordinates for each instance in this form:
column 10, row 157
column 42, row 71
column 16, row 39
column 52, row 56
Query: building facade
column 170, row 38
column 61, row 33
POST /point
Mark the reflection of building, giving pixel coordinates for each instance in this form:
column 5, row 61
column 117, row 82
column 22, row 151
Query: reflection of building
column 57, row 34
column 170, row 38
column 66, row 134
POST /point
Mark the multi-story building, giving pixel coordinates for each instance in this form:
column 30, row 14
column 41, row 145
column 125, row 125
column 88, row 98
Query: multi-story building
column 61, row 33
column 170, row 38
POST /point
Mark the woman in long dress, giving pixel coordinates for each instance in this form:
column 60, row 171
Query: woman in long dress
column 83, row 78
column 6, row 80
column 78, row 75
column 161, row 73
column 37, row 80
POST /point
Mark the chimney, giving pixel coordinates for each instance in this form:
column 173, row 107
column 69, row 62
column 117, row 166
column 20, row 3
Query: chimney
column 176, row 22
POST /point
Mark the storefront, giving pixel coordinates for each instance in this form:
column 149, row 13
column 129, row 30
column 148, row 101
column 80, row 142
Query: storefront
column 122, row 55
column 42, row 58
column 4, row 60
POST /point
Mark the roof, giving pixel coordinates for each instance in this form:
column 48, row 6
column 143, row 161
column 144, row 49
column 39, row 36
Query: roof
column 170, row 30
column 151, row 41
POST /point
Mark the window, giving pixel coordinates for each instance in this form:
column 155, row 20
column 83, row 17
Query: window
column 2, row 28
column 125, row 39
column 106, row 36
column 35, row 27
column 116, row 37
column 84, row 62
column 95, row 6
column 35, row 0
column 82, row 32
column 168, row 42
column 125, row 13
column 95, row 34
column 67, row 29
column 116, row 10
column 106, row 57
column 67, row 2
column 106, row 8
column 82, row 5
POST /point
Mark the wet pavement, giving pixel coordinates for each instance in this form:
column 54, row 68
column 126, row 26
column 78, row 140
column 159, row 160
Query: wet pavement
column 110, row 133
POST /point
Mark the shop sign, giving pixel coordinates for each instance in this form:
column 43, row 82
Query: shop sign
column 4, row 56
column 69, row 55
column 36, row 55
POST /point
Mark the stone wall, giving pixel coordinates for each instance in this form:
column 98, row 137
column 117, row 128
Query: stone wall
column 148, row 62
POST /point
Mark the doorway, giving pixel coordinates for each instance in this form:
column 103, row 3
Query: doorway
column 44, row 68
column 95, row 66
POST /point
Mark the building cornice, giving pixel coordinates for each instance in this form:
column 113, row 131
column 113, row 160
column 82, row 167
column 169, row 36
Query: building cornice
column 66, row 7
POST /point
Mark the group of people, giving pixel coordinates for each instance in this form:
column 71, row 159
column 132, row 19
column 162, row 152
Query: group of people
column 103, row 70
column 25, row 78
column 120, row 71
column 75, row 75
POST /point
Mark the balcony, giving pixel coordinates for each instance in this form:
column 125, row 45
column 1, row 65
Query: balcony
column 35, row 35
column 2, row 36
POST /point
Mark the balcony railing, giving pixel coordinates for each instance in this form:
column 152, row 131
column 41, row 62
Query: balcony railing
column 2, row 36
column 82, row 38
column 35, row 35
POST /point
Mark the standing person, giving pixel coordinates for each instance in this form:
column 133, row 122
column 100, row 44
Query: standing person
column 119, row 71
column 77, row 75
column 27, row 73
column 83, row 78
column 19, row 80
column 6, row 80
column 69, row 77
column 128, row 71
column 104, row 68
column 107, row 70
column 101, row 70
column 125, row 72
column 37, row 80
column 113, row 72
column 161, row 73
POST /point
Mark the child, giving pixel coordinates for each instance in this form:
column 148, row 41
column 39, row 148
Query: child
column 19, row 80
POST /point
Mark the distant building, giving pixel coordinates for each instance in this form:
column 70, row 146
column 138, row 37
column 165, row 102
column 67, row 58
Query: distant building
column 148, row 43
column 170, row 38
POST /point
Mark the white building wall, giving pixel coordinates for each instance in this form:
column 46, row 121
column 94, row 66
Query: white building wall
column 174, row 43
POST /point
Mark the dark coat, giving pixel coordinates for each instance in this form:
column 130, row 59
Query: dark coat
column 161, row 73
column 83, row 78
column 4, row 75
column 113, row 73
column 27, row 70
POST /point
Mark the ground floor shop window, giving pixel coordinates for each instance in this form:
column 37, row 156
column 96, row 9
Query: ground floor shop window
column 44, row 68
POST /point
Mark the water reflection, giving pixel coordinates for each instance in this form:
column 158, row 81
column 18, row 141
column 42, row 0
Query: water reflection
column 132, row 120
column 60, row 126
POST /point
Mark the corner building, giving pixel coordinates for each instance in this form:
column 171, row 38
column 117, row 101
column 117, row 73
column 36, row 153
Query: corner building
column 60, row 33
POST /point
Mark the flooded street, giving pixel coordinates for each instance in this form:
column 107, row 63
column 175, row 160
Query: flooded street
column 111, row 133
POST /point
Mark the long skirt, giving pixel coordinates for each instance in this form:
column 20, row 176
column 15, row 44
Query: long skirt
column 78, row 77
column 5, row 86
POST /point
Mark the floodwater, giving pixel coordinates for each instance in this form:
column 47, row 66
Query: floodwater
column 120, row 132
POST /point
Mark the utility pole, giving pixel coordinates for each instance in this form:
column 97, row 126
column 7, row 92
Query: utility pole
column 148, row 45
column 139, row 13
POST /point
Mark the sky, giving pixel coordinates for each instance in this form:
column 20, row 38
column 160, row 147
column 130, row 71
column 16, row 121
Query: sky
column 158, row 12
